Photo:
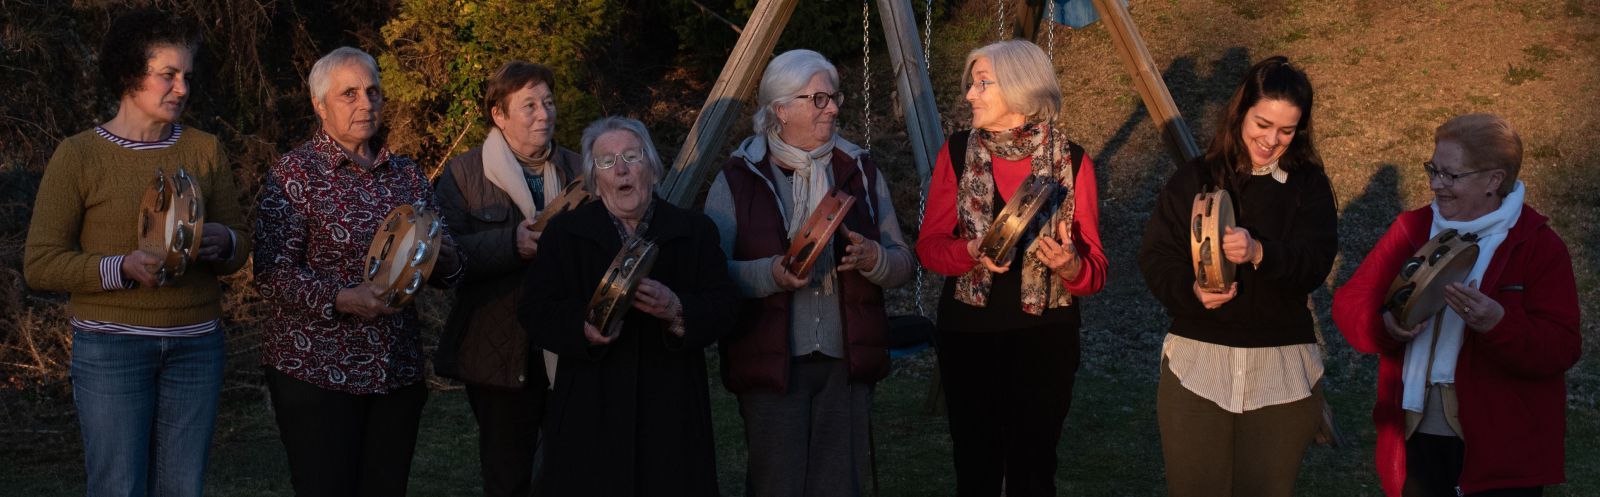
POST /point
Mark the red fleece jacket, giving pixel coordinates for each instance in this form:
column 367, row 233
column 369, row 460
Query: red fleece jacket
column 1510, row 381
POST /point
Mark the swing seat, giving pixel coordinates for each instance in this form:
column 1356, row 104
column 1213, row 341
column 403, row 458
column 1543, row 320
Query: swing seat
column 909, row 334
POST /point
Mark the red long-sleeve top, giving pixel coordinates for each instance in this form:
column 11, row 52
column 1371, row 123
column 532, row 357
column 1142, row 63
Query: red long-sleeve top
column 942, row 251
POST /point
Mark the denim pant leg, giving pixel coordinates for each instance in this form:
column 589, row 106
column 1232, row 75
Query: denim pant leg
column 113, row 386
column 120, row 385
column 189, row 385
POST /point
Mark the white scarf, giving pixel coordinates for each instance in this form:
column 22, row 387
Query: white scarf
column 1491, row 229
column 501, row 168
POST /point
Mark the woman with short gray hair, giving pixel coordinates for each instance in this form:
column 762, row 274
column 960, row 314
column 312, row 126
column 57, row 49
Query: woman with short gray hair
column 630, row 413
column 347, row 409
column 807, row 348
column 1008, row 330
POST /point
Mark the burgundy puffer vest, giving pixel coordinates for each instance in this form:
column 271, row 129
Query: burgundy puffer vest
column 757, row 355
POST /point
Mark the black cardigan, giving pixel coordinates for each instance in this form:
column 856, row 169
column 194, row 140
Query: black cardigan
column 1298, row 229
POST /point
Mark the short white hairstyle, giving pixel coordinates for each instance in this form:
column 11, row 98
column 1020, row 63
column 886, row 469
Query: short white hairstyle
column 785, row 76
column 617, row 123
column 1027, row 80
column 318, row 80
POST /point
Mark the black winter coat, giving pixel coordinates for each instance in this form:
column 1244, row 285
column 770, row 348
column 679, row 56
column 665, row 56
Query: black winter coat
column 631, row 418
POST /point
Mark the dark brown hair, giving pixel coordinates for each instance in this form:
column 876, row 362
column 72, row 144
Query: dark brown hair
column 1270, row 79
column 131, row 42
column 510, row 78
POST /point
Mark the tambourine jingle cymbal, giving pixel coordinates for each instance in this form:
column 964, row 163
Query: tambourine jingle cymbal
column 1210, row 217
column 171, row 215
column 614, row 296
column 1418, row 289
column 403, row 253
column 818, row 229
column 1014, row 219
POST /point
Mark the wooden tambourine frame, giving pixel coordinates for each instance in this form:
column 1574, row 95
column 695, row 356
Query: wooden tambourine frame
column 819, row 228
column 171, row 216
column 572, row 196
column 403, row 253
column 1210, row 217
column 1007, row 227
column 1418, row 290
column 614, row 296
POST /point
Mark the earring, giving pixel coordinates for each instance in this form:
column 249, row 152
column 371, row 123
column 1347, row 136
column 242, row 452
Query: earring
column 781, row 121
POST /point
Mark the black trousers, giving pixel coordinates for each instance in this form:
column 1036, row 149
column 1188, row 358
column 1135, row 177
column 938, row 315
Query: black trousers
column 508, row 436
column 1433, row 467
column 1008, row 393
column 342, row 444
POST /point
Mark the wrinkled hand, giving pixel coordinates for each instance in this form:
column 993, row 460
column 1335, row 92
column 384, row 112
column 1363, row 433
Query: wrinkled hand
column 860, row 255
column 657, row 300
column 1215, row 300
column 1399, row 334
column 1478, row 311
column 786, row 280
column 216, row 243
column 1058, row 253
column 362, row 300
column 527, row 240
column 985, row 261
column 140, row 266
column 594, row 336
column 1239, row 247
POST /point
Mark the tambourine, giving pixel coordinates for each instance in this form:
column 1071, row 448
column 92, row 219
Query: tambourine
column 815, row 233
column 171, row 216
column 614, row 296
column 403, row 253
column 572, row 196
column 1418, row 291
column 1007, row 227
column 1210, row 219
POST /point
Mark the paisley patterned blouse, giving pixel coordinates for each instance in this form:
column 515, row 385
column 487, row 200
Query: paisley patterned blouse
column 315, row 218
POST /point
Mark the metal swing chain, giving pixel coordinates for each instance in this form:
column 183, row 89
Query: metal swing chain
column 1000, row 19
column 922, row 200
column 1050, row 24
column 927, row 32
column 866, row 75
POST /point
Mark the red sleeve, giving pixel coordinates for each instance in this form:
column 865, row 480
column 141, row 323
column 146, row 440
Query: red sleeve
column 1538, row 335
column 937, row 248
column 1358, row 304
column 1086, row 233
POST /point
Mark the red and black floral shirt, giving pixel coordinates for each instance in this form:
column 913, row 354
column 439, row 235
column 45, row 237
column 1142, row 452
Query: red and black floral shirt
column 316, row 217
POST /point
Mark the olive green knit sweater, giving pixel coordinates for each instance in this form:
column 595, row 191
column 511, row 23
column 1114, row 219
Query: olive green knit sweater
column 88, row 208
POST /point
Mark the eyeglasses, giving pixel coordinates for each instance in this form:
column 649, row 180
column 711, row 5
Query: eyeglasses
column 983, row 84
column 1447, row 179
column 821, row 98
column 628, row 156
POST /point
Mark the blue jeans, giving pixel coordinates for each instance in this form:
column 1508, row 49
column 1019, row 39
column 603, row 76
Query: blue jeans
column 147, row 406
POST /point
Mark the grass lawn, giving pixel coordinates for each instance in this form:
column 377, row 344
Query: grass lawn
column 1110, row 446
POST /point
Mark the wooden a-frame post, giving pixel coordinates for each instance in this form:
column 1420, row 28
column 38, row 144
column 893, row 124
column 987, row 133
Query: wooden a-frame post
column 740, row 76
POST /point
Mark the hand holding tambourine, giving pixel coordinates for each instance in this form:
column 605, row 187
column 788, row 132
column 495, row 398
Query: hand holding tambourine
column 1058, row 253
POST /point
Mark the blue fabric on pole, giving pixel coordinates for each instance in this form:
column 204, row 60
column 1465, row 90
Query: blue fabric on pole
column 1077, row 13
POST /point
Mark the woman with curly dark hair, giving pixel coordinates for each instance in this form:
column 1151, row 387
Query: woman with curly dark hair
column 147, row 352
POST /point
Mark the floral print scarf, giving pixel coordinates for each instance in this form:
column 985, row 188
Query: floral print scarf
column 1051, row 157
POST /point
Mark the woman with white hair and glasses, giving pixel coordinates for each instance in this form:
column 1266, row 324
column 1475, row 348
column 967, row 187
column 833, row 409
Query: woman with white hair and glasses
column 345, row 370
column 1471, row 401
column 1008, row 330
column 807, row 348
column 630, row 414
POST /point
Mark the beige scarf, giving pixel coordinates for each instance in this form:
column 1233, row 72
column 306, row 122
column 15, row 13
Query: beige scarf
column 500, row 166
